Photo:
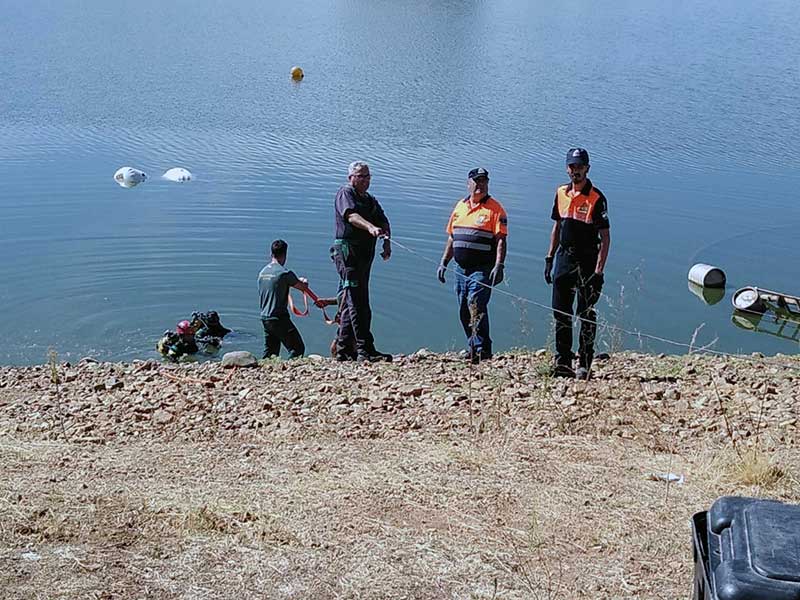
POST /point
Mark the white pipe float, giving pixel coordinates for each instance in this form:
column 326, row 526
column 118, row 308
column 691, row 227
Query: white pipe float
column 178, row 174
column 129, row 177
column 707, row 276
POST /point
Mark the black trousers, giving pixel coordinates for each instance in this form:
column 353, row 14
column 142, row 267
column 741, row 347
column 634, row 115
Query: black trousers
column 573, row 280
column 354, row 264
column 282, row 331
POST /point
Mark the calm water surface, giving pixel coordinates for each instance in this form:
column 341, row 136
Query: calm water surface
column 689, row 111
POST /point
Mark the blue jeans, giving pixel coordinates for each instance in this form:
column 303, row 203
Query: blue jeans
column 470, row 292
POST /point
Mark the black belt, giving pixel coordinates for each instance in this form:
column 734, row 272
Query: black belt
column 579, row 252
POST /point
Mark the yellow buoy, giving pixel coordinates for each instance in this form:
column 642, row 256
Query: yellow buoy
column 297, row 73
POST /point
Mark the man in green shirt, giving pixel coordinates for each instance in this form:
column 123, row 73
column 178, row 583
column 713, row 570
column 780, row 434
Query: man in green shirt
column 274, row 282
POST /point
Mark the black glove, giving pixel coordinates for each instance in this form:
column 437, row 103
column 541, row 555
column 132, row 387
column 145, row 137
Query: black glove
column 548, row 269
column 496, row 276
column 440, row 272
column 595, row 285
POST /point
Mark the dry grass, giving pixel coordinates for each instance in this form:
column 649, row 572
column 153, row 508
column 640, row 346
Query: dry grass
column 752, row 468
column 758, row 469
column 483, row 517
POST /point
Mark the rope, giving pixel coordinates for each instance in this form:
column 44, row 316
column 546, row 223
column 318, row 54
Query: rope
column 639, row 334
column 298, row 313
column 304, row 312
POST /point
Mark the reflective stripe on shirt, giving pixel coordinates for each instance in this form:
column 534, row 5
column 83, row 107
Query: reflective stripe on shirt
column 475, row 229
column 482, row 233
column 472, row 246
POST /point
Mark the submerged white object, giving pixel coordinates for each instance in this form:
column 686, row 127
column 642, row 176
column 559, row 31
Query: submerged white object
column 178, row 174
column 707, row 276
column 129, row 177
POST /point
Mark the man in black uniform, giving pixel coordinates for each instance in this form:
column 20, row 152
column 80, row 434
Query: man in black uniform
column 579, row 242
column 360, row 221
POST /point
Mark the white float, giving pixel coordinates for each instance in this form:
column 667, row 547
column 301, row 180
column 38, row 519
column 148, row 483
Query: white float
column 707, row 276
column 178, row 174
column 129, row 177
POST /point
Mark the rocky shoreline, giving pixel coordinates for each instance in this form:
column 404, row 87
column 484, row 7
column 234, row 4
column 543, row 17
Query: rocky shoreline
column 632, row 396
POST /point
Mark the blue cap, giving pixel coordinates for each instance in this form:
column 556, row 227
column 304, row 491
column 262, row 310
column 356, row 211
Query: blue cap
column 478, row 173
column 577, row 156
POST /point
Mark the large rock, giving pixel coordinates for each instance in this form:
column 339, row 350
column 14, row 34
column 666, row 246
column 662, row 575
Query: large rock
column 162, row 417
column 112, row 383
column 240, row 358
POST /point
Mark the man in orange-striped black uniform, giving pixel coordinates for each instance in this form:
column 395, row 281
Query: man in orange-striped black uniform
column 579, row 244
column 477, row 232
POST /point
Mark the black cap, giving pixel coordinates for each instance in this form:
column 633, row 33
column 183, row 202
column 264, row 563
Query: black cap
column 577, row 156
column 477, row 173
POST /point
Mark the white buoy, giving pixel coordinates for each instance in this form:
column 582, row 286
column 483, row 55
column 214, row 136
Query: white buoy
column 129, row 177
column 707, row 276
column 178, row 174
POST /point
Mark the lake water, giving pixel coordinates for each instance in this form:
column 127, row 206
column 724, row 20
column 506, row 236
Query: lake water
column 689, row 112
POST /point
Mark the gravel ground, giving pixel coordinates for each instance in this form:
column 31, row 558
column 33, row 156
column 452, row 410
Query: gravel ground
column 424, row 478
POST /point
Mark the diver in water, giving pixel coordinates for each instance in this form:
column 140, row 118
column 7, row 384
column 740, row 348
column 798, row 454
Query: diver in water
column 203, row 333
column 208, row 325
column 209, row 331
column 174, row 345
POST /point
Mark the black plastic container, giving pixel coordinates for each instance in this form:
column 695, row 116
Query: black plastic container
column 747, row 549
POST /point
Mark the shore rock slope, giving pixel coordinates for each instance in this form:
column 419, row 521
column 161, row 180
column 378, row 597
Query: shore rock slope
column 629, row 396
